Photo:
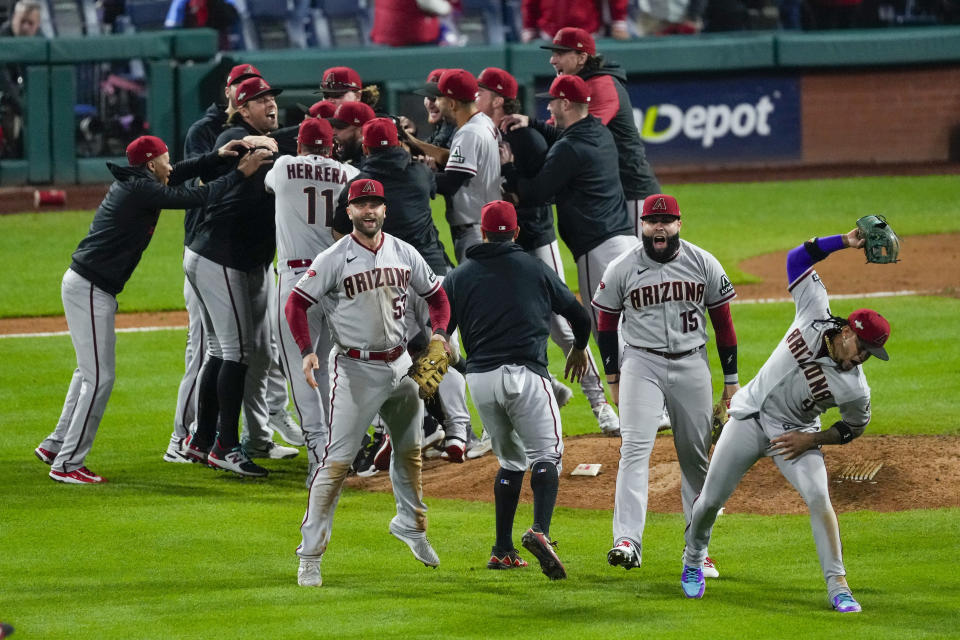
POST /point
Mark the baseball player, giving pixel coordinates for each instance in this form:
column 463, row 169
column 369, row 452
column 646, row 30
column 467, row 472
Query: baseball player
column 497, row 98
column 574, row 52
column 343, row 84
column 663, row 288
column 471, row 176
column 814, row 367
column 361, row 284
column 306, row 188
column 201, row 138
column 102, row 264
column 228, row 264
column 503, row 299
column 591, row 210
column 348, row 121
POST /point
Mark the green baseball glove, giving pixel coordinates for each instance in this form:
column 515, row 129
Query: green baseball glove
column 882, row 244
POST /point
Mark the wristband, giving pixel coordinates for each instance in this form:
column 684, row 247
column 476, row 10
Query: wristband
column 731, row 379
column 846, row 434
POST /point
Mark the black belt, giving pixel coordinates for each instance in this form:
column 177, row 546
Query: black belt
column 670, row 356
column 457, row 230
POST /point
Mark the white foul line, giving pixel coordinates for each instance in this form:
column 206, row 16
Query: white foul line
column 843, row 296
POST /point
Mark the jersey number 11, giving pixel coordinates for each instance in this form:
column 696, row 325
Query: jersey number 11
column 327, row 195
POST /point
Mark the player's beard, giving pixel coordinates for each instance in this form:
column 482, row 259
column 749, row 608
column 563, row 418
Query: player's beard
column 667, row 253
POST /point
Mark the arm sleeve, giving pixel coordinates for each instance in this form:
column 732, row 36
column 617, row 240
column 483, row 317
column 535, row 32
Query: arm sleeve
column 579, row 321
column 186, row 197
column 609, row 341
column 549, row 132
column 296, row 312
column 341, row 221
column 726, row 341
column 604, row 101
column 439, row 310
column 450, row 180
column 801, row 258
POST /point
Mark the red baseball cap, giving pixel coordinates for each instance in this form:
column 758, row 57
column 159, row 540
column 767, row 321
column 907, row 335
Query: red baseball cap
column 144, row 149
column 379, row 133
column 573, row 88
column 572, row 39
column 429, row 88
column 365, row 188
column 316, row 132
column 252, row 88
column 242, row 72
column 498, row 81
column 322, row 109
column 458, row 84
column 660, row 205
column 337, row 80
column 352, row 113
column 872, row 329
column 498, row 216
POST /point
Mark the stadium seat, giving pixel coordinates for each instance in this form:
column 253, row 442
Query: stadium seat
column 341, row 23
column 147, row 15
column 481, row 21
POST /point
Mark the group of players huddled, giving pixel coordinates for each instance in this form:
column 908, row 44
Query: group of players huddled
column 341, row 203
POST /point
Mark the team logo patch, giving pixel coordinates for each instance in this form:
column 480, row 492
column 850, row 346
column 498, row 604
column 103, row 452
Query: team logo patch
column 311, row 273
column 659, row 205
column 368, row 188
column 858, row 324
column 725, row 285
column 456, row 155
column 602, row 285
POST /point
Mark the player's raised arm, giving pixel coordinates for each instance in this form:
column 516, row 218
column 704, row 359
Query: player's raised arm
column 802, row 258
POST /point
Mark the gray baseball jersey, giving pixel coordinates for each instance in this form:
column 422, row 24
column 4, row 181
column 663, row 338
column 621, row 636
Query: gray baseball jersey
column 475, row 149
column 363, row 293
column 664, row 304
column 307, row 189
column 793, row 387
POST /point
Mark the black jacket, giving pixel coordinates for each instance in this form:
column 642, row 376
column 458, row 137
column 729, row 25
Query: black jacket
column 579, row 174
column 534, row 218
column 124, row 222
column 636, row 175
column 201, row 138
column 408, row 187
column 237, row 229
column 502, row 299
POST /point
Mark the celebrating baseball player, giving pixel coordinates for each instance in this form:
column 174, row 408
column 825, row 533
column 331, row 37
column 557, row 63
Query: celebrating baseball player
column 103, row 262
column 471, row 177
column 663, row 288
column 575, row 52
column 306, row 188
column 502, row 299
column 361, row 284
column 814, row 367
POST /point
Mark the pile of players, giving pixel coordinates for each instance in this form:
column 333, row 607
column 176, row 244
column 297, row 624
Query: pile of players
column 341, row 203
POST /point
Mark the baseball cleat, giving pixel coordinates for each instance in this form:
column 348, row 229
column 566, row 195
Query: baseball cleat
column 709, row 568
column 381, row 457
column 624, row 554
column 561, row 392
column 844, row 603
column 417, row 542
column 542, row 547
column 308, row 573
column 481, row 448
column 176, row 452
column 692, row 582
column 270, row 451
column 235, row 460
column 454, row 450
column 505, row 559
column 46, row 457
column 607, row 419
column 287, row 428
column 6, row 630
column 433, row 433
column 77, row 476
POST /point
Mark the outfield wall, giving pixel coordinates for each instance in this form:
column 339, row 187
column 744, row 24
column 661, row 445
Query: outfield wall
column 714, row 101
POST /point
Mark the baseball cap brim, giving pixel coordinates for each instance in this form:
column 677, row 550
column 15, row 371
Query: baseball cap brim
column 556, row 47
column 367, row 196
column 268, row 92
column 545, row 94
column 879, row 352
column 429, row 89
column 338, row 124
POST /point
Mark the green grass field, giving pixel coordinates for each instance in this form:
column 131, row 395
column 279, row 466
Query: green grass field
column 164, row 551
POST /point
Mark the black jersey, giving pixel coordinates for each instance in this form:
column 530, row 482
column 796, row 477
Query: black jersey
column 201, row 138
column 534, row 218
column 502, row 299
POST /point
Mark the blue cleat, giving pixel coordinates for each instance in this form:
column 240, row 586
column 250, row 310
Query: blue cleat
column 844, row 603
column 692, row 582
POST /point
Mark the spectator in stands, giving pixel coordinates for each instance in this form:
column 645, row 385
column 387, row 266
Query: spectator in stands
column 543, row 18
column 835, row 14
column 683, row 17
column 401, row 23
column 221, row 15
column 25, row 22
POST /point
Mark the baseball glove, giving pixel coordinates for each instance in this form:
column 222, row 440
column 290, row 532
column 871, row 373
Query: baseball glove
column 428, row 368
column 882, row 244
column 719, row 419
